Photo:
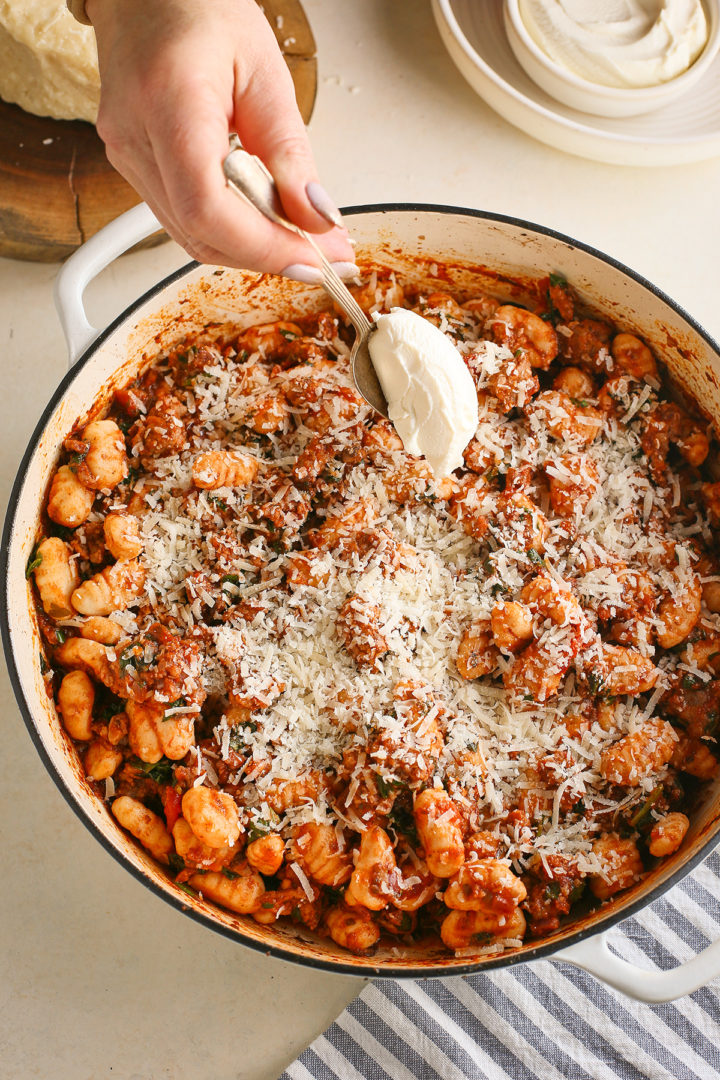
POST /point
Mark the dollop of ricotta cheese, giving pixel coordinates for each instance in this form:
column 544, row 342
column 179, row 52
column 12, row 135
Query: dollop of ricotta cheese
column 621, row 43
column 430, row 393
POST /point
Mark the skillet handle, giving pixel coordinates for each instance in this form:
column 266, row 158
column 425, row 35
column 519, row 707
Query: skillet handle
column 86, row 263
column 654, row 986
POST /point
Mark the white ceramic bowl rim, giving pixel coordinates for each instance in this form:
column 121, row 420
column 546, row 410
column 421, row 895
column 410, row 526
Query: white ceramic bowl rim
column 598, row 134
column 348, row 968
column 618, row 93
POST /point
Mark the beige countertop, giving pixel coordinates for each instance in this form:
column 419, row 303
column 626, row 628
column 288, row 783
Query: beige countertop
column 100, row 978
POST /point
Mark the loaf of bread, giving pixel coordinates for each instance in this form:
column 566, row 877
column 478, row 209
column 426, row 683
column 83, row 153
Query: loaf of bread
column 48, row 61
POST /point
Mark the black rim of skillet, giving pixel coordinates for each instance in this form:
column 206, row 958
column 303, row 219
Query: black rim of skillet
column 278, row 951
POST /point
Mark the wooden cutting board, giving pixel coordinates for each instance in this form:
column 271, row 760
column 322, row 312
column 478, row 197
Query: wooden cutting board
column 57, row 188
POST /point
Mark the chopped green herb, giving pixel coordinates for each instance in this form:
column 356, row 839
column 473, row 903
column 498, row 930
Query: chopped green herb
column 133, row 655
column 33, row 562
column 179, row 703
column 110, row 706
column 595, row 682
column 176, row 862
column 60, row 635
column 576, row 892
column 385, row 786
column 559, row 280
column 257, row 828
column 127, row 657
column 641, row 817
column 288, row 335
column 229, row 874
column 402, row 820
column 239, row 735
column 160, row 771
column 552, row 890
column 534, row 556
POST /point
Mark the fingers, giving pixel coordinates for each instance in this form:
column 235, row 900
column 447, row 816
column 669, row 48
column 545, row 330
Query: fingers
column 188, row 144
column 145, row 179
column 168, row 102
column 269, row 125
column 148, row 184
column 141, row 170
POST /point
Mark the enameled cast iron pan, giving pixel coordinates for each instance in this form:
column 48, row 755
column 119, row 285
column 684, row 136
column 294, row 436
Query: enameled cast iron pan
column 442, row 247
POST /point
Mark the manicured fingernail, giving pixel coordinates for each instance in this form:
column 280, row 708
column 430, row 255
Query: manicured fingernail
column 322, row 202
column 309, row 275
column 346, row 270
column 312, row 275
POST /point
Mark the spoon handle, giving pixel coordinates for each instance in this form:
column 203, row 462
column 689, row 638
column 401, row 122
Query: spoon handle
column 247, row 177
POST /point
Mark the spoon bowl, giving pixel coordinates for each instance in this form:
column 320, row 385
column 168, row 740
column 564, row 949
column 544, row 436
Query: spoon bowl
column 364, row 374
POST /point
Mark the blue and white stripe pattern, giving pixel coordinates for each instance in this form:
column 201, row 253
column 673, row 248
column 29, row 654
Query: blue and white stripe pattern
column 540, row 1021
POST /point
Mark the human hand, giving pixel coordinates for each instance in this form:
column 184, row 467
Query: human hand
column 176, row 78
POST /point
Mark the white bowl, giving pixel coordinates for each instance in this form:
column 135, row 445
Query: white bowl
column 594, row 98
column 685, row 131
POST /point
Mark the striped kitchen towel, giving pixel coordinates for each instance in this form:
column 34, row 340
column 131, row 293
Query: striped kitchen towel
column 540, row 1021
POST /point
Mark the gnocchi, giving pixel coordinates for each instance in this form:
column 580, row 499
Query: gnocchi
column 322, row 686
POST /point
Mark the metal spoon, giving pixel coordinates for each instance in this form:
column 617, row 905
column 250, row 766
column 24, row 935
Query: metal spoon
column 247, row 177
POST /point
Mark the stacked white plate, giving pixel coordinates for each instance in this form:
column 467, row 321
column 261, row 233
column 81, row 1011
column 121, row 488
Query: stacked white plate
column 687, row 130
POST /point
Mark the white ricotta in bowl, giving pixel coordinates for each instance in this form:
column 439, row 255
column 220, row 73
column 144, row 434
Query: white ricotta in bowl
column 620, row 43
